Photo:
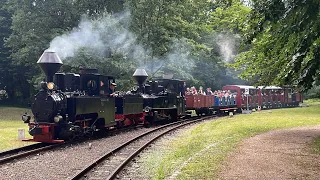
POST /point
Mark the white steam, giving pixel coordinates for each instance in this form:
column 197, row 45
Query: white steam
column 105, row 34
column 111, row 34
column 227, row 45
column 67, row 45
column 177, row 61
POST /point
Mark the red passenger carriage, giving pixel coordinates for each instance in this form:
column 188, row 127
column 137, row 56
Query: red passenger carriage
column 264, row 97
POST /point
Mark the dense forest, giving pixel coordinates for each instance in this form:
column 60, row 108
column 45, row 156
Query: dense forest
column 207, row 43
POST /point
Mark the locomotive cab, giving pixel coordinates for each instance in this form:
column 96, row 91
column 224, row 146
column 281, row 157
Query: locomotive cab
column 67, row 82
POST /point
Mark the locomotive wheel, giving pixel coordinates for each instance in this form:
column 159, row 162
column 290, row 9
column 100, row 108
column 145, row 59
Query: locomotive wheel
column 173, row 116
column 151, row 120
column 147, row 125
column 101, row 133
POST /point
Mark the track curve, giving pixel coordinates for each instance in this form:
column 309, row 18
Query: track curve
column 116, row 168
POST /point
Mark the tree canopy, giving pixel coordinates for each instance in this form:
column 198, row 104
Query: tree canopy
column 283, row 43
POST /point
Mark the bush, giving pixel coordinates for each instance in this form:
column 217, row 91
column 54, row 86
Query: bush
column 313, row 93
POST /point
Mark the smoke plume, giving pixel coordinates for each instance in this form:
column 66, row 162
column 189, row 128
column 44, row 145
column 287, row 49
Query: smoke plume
column 178, row 61
column 227, row 45
column 104, row 34
column 110, row 33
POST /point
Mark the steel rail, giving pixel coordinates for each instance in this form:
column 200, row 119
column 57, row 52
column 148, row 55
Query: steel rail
column 23, row 148
column 27, row 153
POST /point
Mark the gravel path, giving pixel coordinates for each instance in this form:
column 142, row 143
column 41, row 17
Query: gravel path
column 279, row 154
column 64, row 162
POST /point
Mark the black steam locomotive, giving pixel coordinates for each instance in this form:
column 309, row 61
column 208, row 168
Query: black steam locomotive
column 71, row 105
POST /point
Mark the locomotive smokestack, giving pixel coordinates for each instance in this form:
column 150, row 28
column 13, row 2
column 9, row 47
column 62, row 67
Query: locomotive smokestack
column 140, row 75
column 49, row 63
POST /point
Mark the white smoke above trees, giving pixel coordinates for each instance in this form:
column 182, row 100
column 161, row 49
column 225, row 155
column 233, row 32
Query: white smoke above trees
column 110, row 34
column 104, row 34
column 227, row 45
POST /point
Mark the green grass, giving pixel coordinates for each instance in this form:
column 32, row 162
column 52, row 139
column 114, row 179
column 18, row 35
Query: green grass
column 199, row 152
column 315, row 146
column 312, row 102
column 10, row 122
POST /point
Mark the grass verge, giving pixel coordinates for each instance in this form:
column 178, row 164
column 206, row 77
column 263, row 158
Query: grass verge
column 316, row 146
column 312, row 102
column 198, row 153
column 10, row 122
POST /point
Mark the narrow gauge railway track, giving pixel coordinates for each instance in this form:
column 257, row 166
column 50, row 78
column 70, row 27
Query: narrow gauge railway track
column 111, row 163
column 23, row 148
column 21, row 152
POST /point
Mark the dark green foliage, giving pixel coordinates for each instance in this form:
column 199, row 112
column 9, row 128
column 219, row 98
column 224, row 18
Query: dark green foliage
column 34, row 25
column 285, row 45
column 312, row 93
column 6, row 69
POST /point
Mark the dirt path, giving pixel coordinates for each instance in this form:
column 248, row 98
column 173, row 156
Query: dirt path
column 279, row 154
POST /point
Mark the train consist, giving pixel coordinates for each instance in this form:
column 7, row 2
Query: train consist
column 71, row 105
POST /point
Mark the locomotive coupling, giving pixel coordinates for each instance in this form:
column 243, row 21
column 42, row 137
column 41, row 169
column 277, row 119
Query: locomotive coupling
column 26, row 118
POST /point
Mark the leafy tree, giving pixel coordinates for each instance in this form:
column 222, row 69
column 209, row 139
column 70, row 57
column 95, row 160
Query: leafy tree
column 158, row 23
column 6, row 69
column 284, row 43
column 35, row 24
column 231, row 19
column 173, row 32
column 227, row 25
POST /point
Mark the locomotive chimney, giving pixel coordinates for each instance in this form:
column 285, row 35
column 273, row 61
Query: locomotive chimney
column 140, row 75
column 49, row 63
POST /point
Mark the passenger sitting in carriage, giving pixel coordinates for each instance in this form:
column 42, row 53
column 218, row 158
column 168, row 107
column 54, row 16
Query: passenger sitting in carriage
column 188, row 91
column 201, row 91
column 209, row 92
column 194, row 90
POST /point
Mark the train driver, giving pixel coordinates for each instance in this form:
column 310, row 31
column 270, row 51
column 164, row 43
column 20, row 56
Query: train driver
column 183, row 89
column 111, row 89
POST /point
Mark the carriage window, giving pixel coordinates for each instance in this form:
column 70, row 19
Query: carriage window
column 253, row 92
column 92, row 84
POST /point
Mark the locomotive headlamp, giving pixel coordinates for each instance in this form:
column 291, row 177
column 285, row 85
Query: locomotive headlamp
column 50, row 85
